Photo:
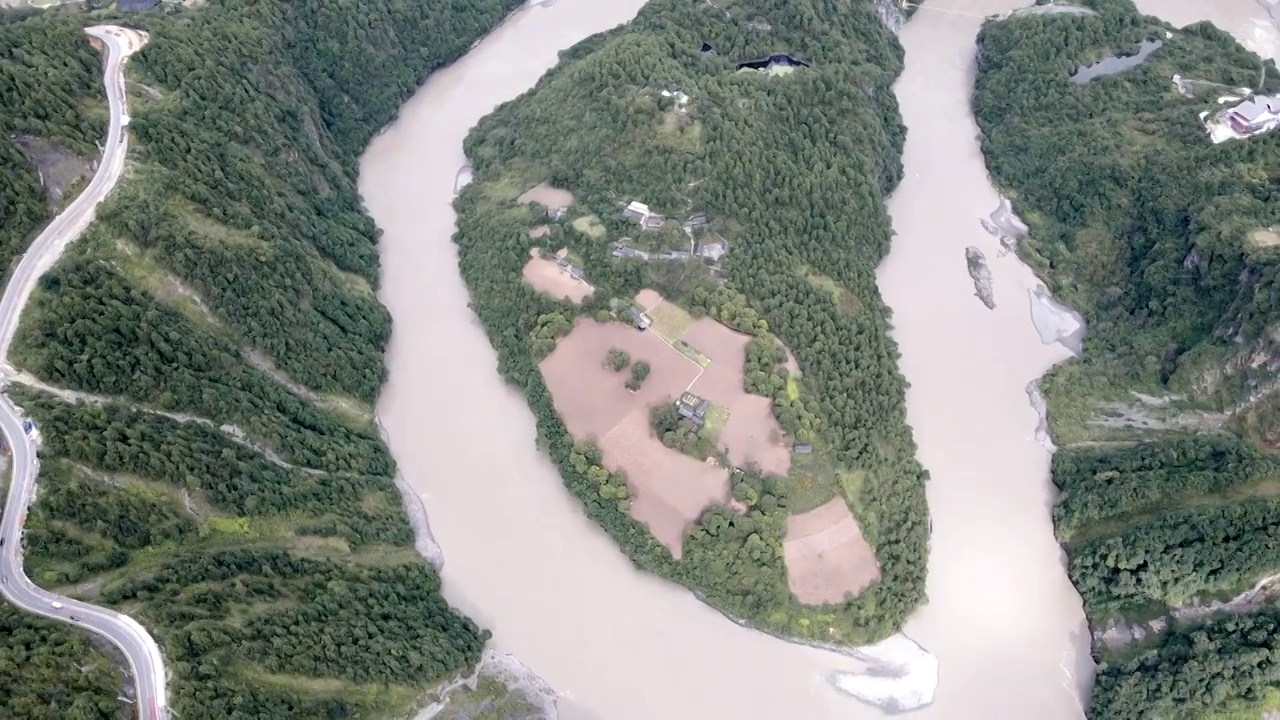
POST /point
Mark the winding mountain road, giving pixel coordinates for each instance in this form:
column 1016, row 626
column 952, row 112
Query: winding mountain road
column 141, row 650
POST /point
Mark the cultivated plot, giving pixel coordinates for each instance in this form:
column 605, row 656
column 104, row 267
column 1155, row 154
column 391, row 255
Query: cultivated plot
column 827, row 558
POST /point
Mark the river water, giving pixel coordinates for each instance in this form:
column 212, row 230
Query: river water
column 1004, row 621
column 618, row 644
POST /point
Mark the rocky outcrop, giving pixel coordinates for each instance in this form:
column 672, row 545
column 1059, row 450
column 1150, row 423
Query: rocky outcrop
column 1117, row 633
column 890, row 14
column 981, row 275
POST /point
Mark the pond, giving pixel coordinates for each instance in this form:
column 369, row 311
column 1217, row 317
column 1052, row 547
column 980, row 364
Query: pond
column 1113, row 64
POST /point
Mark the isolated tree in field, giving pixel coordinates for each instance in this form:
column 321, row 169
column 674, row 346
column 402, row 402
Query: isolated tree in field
column 617, row 359
column 639, row 372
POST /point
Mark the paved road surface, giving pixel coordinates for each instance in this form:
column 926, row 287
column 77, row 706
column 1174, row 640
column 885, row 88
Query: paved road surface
column 145, row 660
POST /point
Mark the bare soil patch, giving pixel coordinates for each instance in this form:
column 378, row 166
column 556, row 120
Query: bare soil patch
column 540, row 231
column 751, row 435
column 826, row 557
column 547, row 277
column 592, row 399
column 59, row 168
column 547, row 196
column 648, row 299
column 1265, row 238
column 669, row 490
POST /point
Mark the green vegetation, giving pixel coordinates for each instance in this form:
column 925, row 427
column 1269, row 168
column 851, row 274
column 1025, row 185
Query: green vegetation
column 639, row 372
column 680, row 434
column 793, row 171
column 489, row 700
column 1195, row 671
column 1143, row 224
column 50, row 88
column 48, row 673
column 617, row 360
column 227, row 284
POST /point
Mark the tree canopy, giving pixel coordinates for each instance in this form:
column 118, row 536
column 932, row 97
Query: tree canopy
column 793, row 170
column 1168, row 473
column 228, row 487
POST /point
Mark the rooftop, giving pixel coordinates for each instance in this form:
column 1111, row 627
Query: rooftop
column 1256, row 107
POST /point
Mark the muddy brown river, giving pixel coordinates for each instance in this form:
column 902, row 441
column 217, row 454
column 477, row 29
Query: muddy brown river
column 617, row 644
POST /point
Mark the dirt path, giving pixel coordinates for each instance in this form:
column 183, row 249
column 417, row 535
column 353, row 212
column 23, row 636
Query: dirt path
column 235, row 433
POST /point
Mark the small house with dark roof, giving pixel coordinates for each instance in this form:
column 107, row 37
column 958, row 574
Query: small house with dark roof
column 695, row 222
column 640, row 318
column 575, row 272
column 557, row 213
column 693, row 408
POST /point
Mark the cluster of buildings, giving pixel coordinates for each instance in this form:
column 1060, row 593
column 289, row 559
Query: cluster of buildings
column 561, row 259
column 710, row 249
column 640, row 213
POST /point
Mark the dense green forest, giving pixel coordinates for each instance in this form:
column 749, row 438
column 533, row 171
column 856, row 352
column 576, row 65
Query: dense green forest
column 1169, row 473
column 48, row 673
column 793, row 169
column 1195, row 671
column 232, row 493
column 51, row 86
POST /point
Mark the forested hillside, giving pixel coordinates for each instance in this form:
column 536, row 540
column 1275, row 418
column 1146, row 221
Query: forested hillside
column 793, row 168
column 228, row 487
column 48, row 673
column 1169, row 470
column 50, row 83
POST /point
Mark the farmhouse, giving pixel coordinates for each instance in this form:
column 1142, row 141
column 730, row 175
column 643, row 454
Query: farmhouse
column 695, row 222
column 621, row 250
column 640, row 318
column 636, row 211
column 557, row 213
column 803, row 448
column 1255, row 114
column 691, row 407
column 713, row 251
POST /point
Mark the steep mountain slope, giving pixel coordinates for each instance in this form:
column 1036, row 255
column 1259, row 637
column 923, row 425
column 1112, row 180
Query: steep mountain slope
column 1169, row 469
column 53, row 98
column 222, row 479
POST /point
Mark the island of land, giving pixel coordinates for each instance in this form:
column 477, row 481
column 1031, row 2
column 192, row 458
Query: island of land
column 1101, row 128
column 679, row 275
